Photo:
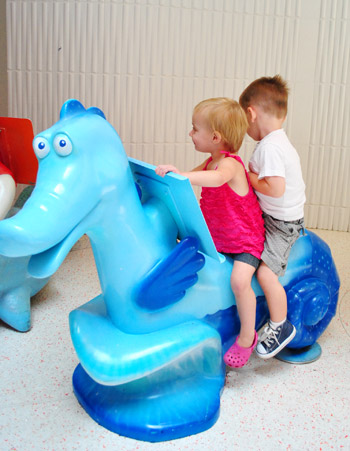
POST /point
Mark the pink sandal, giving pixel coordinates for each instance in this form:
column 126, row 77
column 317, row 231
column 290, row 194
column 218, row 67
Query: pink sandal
column 236, row 356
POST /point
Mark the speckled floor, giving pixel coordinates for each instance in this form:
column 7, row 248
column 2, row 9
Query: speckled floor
column 265, row 405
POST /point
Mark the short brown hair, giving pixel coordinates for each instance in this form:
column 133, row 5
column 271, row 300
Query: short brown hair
column 270, row 93
column 227, row 117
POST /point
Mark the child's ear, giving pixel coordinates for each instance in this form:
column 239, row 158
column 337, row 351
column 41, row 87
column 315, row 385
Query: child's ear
column 251, row 113
column 217, row 138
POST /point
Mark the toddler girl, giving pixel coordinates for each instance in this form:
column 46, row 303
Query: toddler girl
column 230, row 207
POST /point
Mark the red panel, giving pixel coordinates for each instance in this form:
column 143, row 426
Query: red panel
column 5, row 170
column 16, row 151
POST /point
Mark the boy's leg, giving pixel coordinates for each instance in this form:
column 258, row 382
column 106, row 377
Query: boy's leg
column 274, row 293
column 279, row 331
column 241, row 279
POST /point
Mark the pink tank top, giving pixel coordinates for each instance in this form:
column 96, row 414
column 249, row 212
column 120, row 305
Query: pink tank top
column 235, row 222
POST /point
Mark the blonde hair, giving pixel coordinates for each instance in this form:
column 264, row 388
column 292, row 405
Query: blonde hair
column 226, row 117
column 270, row 93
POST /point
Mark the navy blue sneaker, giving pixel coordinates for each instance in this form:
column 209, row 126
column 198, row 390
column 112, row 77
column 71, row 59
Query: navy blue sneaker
column 272, row 341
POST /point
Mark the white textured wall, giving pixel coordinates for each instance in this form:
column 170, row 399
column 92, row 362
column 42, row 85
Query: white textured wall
column 146, row 63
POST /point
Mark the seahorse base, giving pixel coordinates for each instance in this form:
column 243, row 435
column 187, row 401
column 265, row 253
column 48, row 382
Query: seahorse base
column 151, row 410
column 301, row 356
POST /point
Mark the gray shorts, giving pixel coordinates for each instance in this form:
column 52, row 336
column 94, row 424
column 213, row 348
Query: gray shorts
column 279, row 239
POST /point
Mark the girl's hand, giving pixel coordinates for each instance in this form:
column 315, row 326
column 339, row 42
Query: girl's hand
column 163, row 169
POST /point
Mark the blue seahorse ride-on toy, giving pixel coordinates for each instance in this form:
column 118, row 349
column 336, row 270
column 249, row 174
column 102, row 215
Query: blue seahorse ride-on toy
column 151, row 344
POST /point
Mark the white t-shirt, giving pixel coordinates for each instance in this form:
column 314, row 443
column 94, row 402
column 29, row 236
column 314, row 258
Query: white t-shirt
column 274, row 155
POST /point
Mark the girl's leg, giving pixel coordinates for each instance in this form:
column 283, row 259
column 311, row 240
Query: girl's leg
column 241, row 279
column 274, row 293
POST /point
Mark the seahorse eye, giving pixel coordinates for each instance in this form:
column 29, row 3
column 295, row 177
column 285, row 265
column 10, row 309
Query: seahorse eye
column 41, row 147
column 63, row 145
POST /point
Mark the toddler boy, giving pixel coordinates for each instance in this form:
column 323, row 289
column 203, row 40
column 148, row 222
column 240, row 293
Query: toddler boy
column 275, row 174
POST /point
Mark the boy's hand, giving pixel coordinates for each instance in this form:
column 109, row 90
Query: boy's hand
column 253, row 177
column 163, row 169
column 251, row 168
column 270, row 186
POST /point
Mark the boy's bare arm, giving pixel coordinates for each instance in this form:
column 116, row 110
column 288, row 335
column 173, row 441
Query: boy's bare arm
column 269, row 186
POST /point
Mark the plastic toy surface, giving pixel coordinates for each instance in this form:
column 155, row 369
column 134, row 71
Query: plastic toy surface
column 16, row 152
column 16, row 284
column 7, row 190
column 151, row 344
column 17, row 164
